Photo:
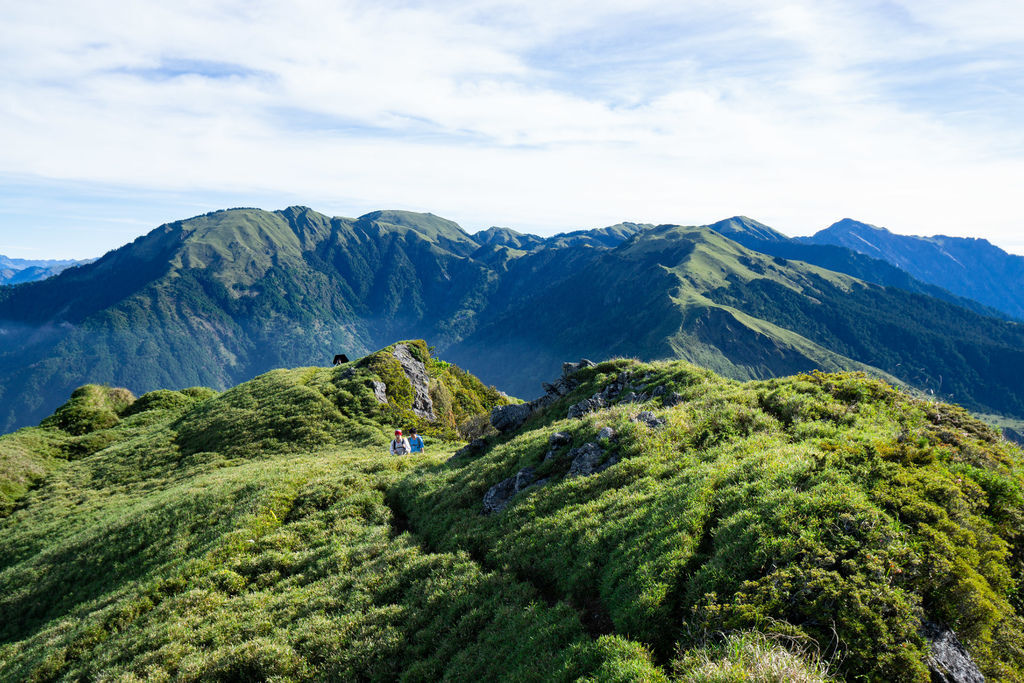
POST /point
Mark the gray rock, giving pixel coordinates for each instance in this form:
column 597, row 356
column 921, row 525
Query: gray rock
column 672, row 399
column 633, row 397
column 949, row 662
column 559, row 439
column 380, row 391
column 570, row 368
column 606, row 434
column 586, row 460
column 500, row 495
column 474, row 447
column 587, row 405
column 422, row 405
column 649, row 419
column 507, row 418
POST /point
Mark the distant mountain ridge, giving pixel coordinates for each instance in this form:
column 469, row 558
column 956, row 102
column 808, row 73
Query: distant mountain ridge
column 219, row 298
column 968, row 266
column 14, row 271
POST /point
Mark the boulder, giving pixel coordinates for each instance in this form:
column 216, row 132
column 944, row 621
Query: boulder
column 559, row 439
column 507, row 418
column 650, row 419
column 606, row 434
column 949, row 662
column 586, row 460
column 556, row 441
column 500, row 495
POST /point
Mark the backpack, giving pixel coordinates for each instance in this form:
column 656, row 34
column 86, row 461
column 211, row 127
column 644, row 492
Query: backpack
column 400, row 448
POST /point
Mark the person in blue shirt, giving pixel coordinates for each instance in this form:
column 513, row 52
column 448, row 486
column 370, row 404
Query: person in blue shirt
column 415, row 441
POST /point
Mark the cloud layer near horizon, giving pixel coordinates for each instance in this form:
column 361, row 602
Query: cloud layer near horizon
column 540, row 116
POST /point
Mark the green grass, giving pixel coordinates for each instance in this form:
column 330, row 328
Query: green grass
column 831, row 508
column 790, row 529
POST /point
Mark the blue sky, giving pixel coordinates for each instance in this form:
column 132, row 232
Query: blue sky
column 542, row 116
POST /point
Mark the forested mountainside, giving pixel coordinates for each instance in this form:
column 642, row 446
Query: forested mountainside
column 220, row 298
column 969, row 267
column 639, row 521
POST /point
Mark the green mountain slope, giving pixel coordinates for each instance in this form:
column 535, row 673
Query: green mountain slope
column 691, row 293
column 819, row 527
column 969, row 267
column 217, row 299
column 841, row 259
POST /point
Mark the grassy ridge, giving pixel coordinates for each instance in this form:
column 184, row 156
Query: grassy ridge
column 246, row 536
column 831, row 509
column 791, row 529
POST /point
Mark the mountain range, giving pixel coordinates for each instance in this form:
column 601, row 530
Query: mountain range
column 967, row 266
column 217, row 299
column 15, row 271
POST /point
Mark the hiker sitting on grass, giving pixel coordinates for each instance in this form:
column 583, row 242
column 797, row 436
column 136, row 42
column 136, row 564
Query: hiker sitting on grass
column 415, row 441
column 399, row 444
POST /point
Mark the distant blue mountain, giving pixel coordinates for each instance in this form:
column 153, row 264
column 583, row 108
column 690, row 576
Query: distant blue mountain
column 969, row 266
column 15, row 271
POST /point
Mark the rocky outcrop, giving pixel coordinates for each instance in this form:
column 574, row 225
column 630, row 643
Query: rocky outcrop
column 500, row 495
column 586, row 460
column 416, row 372
column 508, row 418
column 949, row 662
column 586, row 406
column 650, row 419
column 557, row 441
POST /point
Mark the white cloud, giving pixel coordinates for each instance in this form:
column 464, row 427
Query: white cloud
column 537, row 115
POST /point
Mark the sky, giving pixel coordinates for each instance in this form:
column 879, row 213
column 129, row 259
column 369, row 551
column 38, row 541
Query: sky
column 547, row 116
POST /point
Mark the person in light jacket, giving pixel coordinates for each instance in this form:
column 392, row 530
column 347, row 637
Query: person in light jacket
column 399, row 444
column 415, row 441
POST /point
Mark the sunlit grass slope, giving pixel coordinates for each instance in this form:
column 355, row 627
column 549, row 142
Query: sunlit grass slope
column 827, row 510
column 793, row 529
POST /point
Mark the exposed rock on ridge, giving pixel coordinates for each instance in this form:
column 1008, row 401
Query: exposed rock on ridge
column 414, row 369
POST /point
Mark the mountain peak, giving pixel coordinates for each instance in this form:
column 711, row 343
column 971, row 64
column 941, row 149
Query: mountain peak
column 742, row 226
column 852, row 225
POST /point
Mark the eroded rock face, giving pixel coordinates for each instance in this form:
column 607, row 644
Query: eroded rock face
column 500, row 495
column 414, row 369
column 949, row 661
column 380, row 391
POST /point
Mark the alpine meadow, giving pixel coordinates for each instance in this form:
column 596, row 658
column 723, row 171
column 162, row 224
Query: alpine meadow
column 511, row 341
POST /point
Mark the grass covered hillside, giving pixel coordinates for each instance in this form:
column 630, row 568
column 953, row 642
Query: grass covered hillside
column 680, row 526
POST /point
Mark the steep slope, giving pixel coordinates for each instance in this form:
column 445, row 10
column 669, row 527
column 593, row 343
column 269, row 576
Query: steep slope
column 222, row 297
column 684, row 527
column 969, row 267
column 690, row 293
